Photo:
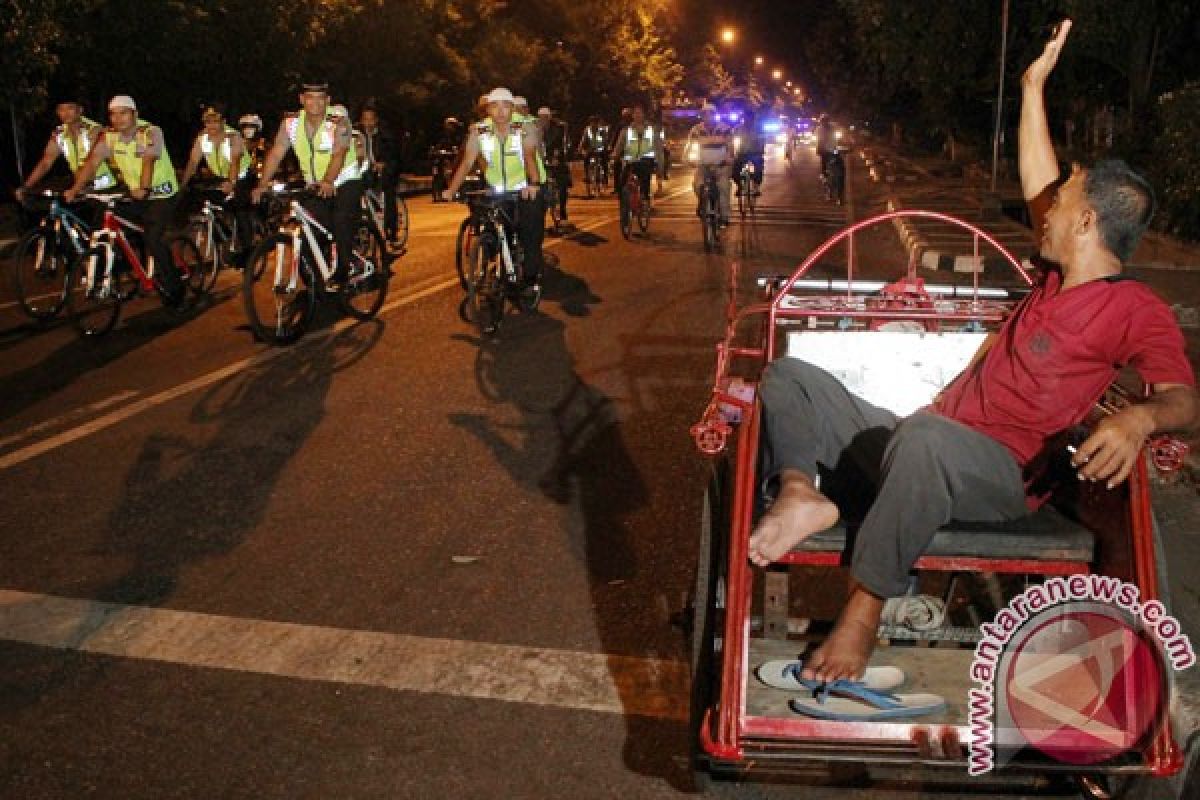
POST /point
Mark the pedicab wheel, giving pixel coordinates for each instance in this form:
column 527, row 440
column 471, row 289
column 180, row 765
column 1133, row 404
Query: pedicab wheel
column 40, row 271
column 278, row 291
column 708, row 616
column 462, row 250
column 92, row 307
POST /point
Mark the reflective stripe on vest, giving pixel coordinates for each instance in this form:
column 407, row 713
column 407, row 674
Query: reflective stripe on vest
column 75, row 152
column 218, row 158
column 314, row 154
column 127, row 156
column 639, row 146
column 505, row 159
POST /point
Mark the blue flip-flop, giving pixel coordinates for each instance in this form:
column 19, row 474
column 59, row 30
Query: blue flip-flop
column 852, row 701
column 785, row 674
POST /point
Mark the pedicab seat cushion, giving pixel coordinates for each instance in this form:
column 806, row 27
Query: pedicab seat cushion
column 1046, row 535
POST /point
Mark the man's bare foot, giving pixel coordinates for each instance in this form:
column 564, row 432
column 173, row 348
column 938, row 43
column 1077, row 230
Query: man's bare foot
column 845, row 653
column 798, row 512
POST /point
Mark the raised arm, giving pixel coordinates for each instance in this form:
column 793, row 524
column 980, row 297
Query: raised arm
column 1035, row 150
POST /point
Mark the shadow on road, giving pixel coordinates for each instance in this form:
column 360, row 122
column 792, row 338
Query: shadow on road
column 184, row 502
column 76, row 357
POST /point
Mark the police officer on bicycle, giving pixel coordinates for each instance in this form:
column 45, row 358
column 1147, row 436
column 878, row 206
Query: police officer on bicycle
column 509, row 149
column 638, row 146
column 325, row 149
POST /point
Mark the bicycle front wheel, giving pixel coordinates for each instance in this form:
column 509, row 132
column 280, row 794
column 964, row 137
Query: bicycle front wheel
column 278, row 291
column 485, row 294
column 626, row 214
column 93, row 298
column 462, row 250
column 41, row 272
column 365, row 289
column 211, row 251
column 552, row 207
column 643, row 215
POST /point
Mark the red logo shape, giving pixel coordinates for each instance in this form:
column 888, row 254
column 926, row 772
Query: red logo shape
column 1084, row 687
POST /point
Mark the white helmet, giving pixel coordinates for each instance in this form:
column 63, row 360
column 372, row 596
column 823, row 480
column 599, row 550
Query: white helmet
column 250, row 121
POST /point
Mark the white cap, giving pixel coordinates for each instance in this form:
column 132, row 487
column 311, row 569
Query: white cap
column 545, row 112
column 339, row 111
column 122, row 101
column 499, row 95
column 520, row 101
column 250, row 119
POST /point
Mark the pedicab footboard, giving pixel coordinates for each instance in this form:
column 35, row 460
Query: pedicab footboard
column 894, row 344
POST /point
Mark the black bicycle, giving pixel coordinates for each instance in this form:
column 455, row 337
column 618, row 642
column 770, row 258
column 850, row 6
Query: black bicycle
column 494, row 261
column 710, row 208
column 45, row 257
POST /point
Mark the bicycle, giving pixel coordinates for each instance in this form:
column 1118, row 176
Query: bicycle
column 710, row 208
column 747, row 189
column 112, row 272
column 595, row 176
column 635, row 203
column 833, row 177
column 214, row 229
column 45, row 257
column 494, row 263
column 288, row 273
column 373, row 205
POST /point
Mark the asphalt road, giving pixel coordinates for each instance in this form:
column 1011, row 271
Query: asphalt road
column 392, row 561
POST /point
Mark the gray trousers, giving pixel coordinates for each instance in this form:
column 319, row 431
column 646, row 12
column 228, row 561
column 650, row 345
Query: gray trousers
column 925, row 469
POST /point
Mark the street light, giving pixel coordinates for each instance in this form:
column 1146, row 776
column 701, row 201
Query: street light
column 777, row 74
column 758, row 61
column 728, row 35
column 788, row 84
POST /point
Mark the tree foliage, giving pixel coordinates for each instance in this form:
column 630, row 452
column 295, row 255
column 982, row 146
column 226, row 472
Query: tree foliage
column 419, row 60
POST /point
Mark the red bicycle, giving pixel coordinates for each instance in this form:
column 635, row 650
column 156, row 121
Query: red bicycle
column 113, row 272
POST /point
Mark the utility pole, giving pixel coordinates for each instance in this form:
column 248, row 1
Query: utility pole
column 1000, row 92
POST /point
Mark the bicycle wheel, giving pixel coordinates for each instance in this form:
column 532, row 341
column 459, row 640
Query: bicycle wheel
column 485, row 294
column 208, row 248
column 278, row 291
column 93, row 301
column 365, row 288
column 552, row 207
column 198, row 273
column 708, row 220
column 626, row 213
column 462, row 250
column 40, row 271
column 752, row 196
column 643, row 215
column 743, row 195
column 401, row 222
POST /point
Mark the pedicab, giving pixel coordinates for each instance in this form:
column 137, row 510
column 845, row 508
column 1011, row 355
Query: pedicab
column 896, row 343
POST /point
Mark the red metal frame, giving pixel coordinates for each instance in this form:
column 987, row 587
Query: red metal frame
column 726, row 727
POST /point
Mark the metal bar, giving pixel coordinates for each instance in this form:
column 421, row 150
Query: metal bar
column 1015, row 566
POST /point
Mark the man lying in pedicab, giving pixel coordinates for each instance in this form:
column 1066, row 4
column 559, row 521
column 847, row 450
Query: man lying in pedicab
column 962, row 457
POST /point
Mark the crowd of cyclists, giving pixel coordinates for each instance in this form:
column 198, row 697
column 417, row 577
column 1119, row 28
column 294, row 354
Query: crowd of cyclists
column 507, row 151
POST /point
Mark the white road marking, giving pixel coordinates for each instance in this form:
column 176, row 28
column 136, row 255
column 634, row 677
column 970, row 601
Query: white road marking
column 92, row 408
column 567, row 679
column 120, row 415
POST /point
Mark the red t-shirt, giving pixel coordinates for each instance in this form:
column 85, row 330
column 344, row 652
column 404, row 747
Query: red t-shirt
column 1057, row 353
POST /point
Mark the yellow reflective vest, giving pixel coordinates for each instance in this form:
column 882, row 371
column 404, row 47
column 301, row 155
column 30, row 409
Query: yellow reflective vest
column 505, row 157
column 218, row 157
column 127, row 158
column 75, row 150
column 314, row 153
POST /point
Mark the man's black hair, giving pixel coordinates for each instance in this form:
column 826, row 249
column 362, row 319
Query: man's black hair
column 1124, row 204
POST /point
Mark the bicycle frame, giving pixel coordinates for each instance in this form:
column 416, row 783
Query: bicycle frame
column 109, row 237
column 490, row 222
